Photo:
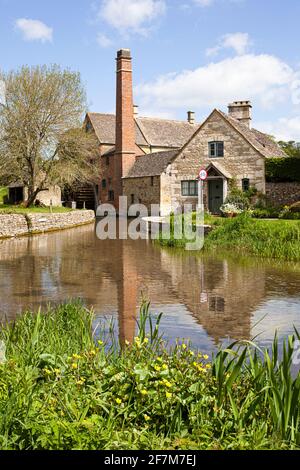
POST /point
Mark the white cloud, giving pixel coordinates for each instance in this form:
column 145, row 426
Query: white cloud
column 239, row 42
column 104, row 41
column 264, row 79
column 283, row 129
column 131, row 15
column 34, row 30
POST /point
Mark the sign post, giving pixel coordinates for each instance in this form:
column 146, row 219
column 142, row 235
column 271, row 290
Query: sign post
column 201, row 178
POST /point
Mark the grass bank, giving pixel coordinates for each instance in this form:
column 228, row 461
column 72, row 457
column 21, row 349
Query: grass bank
column 3, row 193
column 277, row 239
column 59, row 389
column 10, row 209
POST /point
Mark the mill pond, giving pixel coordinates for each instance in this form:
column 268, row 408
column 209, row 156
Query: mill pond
column 210, row 300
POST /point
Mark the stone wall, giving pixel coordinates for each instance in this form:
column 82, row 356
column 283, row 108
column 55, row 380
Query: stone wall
column 14, row 225
column 283, row 193
column 145, row 190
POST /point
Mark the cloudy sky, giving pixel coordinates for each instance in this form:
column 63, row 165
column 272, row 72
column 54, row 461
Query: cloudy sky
column 188, row 54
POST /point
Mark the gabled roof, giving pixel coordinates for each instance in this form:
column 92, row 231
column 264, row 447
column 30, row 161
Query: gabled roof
column 149, row 132
column 152, row 164
column 261, row 142
column 220, row 169
column 166, row 133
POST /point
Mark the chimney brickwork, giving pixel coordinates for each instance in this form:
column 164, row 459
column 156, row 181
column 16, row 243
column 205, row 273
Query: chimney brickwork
column 241, row 110
column 125, row 124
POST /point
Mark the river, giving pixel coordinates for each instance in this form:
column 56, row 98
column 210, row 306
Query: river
column 209, row 299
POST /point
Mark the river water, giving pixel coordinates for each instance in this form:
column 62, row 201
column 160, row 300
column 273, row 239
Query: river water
column 210, row 300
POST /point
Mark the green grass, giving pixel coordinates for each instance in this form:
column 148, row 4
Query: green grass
column 62, row 389
column 277, row 239
column 10, row 209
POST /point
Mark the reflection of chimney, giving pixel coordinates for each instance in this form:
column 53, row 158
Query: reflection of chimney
column 135, row 110
column 125, row 125
column 241, row 110
column 191, row 117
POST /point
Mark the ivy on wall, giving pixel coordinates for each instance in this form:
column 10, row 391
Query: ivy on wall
column 283, row 169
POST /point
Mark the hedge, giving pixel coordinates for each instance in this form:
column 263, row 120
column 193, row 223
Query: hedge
column 283, row 169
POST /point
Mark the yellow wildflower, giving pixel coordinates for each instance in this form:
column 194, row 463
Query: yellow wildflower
column 57, row 371
column 146, row 418
column 93, row 352
column 167, row 384
column 165, row 367
column 74, row 366
column 157, row 368
column 168, row 395
column 208, row 366
column 159, row 359
column 195, row 364
column 184, row 346
column 146, row 341
column 80, row 382
column 205, row 356
column 118, row 401
column 144, row 392
column 191, row 353
column 100, row 343
column 127, row 342
column 76, row 357
column 47, row 371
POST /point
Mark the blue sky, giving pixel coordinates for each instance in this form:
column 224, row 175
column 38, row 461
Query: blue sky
column 188, row 55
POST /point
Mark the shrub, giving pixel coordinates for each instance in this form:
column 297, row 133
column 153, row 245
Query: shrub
column 230, row 209
column 239, row 199
column 295, row 208
column 283, row 169
column 266, row 213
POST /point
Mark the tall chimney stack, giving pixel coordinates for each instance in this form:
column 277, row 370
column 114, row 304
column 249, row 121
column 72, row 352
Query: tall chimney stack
column 241, row 110
column 125, row 125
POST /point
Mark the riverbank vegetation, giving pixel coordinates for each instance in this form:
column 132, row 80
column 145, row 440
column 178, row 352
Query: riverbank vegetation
column 60, row 388
column 278, row 239
column 3, row 193
column 11, row 209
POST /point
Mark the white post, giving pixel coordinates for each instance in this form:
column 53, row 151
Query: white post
column 201, row 194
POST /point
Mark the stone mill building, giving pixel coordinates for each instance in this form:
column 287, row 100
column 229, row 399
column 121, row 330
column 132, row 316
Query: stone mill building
column 157, row 161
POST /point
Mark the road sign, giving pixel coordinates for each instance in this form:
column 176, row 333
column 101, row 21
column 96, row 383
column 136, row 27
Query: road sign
column 203, row 175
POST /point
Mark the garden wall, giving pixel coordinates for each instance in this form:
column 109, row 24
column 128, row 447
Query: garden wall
column 14, row 225
column 283, row 193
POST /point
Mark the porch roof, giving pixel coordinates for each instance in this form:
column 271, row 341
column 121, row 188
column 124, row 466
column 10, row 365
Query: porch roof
column 220, row 169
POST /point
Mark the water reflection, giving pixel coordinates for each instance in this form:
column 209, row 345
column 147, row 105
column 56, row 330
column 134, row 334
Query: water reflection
column 206, row 299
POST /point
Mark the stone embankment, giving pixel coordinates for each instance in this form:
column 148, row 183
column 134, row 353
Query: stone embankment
column 16, row 225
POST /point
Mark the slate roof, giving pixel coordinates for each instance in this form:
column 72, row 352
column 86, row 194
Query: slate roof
column 153, row 164
column 262, row 142
column 149, row 131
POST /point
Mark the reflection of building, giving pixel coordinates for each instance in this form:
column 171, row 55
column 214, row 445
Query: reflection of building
column 112, row 276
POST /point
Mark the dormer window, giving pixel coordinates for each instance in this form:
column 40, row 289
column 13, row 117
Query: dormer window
column 216, row 149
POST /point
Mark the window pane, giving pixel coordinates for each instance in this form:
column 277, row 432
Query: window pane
column 185, row 188
column 246, row 184
column 212, row 149
column 220, row 149
column 193, row 188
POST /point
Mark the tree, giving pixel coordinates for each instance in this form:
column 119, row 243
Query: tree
column 41, row 139
column 291, row 148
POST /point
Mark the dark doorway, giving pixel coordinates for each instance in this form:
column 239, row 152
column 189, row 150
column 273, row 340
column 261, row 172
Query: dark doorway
column 215, row 195
column 16, row 195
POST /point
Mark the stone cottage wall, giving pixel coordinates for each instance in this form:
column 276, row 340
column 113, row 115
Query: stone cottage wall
column 240, row 160
column 283, row 193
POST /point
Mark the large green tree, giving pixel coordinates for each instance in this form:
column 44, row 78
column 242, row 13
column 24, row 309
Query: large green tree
column 291, row 148
column 42, row 141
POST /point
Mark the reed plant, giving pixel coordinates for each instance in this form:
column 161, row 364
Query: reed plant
column 66, row 383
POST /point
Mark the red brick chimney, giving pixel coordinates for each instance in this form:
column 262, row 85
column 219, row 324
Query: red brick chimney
column 125, row 124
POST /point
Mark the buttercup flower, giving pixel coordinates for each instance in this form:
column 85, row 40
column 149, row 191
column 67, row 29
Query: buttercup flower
column 118, row 401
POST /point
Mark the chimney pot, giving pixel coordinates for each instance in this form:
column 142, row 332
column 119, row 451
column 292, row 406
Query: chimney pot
column 124, row 53
column 191, row 117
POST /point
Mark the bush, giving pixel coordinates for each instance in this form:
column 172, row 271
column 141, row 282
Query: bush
column 267, row 213
column 239, row 199
column 295, row 208
column 283, row 169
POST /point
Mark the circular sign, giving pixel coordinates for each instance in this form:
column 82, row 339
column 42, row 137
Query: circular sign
column 203, row 175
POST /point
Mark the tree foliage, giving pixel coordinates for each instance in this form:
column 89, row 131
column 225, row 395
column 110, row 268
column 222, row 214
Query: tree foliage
column 41, row 139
